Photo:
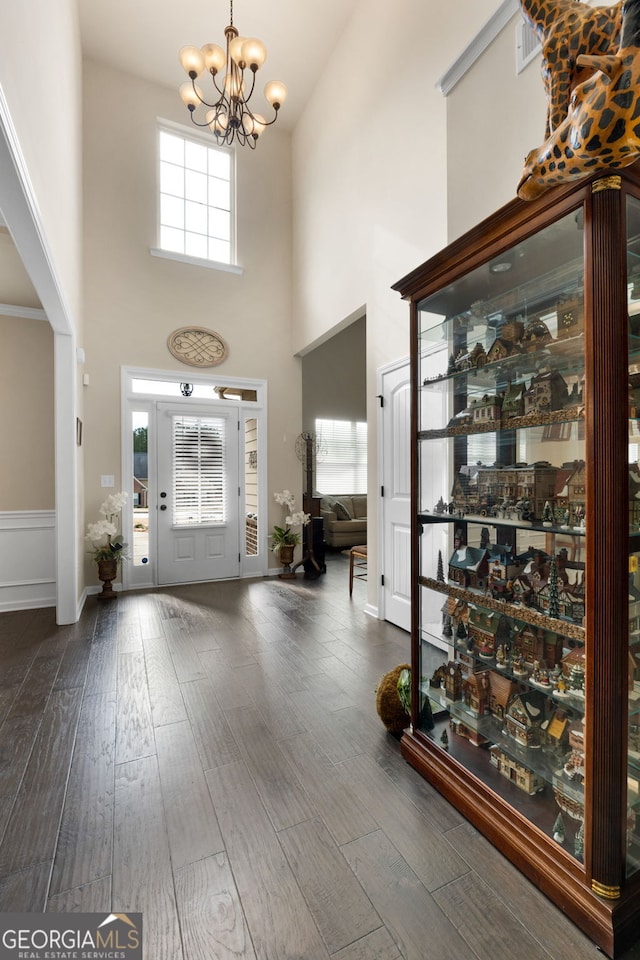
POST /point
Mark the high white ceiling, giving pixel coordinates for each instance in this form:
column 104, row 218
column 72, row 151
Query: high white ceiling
column 143, row 37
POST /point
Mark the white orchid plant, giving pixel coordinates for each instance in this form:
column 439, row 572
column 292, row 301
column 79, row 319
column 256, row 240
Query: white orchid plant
column 107, row 542
column 282, row 536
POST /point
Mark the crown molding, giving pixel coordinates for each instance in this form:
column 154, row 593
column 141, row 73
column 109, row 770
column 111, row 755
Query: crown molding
column 474, row 50
column 25, row 313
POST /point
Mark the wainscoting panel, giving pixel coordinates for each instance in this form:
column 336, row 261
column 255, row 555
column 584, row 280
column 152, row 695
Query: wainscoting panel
column 27, row 559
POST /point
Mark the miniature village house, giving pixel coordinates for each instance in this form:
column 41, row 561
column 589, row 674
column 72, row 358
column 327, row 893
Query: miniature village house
column 469, row 566
column 475, row 692
column 501, row 690
column 525, row 715
column 521, row 776
column 570, row 317
column 547, row 391
column 534, row 643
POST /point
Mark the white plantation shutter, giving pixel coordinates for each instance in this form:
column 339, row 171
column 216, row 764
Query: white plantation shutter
column 199, row 486
column 342, row 465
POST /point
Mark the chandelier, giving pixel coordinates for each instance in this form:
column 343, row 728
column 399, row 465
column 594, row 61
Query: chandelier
column 229, row 116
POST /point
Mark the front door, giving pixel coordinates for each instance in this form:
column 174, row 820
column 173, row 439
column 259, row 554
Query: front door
column 198, row 493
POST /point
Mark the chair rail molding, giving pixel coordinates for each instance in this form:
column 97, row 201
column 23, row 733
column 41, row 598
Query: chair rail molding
column 27, row 559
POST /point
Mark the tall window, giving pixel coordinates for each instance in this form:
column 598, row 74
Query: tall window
column 196, row 192
column 342, row 462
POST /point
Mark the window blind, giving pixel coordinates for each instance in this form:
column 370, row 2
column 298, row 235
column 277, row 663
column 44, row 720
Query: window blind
column 342, row 464
column 199, row 475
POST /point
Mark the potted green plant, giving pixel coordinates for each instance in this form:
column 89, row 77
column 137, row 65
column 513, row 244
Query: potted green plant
column 284, row 540
column 108, row 547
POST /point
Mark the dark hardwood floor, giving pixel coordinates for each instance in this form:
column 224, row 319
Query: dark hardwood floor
column 211, row 756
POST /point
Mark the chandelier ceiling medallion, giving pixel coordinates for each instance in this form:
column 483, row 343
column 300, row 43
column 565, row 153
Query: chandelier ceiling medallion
column 229, row 116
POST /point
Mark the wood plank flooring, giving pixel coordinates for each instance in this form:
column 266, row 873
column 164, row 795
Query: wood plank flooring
column 210, row 755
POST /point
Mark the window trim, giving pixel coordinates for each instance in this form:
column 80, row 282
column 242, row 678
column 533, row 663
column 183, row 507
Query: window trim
column 197, row 136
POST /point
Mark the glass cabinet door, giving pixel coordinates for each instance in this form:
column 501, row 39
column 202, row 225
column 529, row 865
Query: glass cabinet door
column 501, row 515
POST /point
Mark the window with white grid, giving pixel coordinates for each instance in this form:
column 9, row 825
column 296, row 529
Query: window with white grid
column 342, row 459
column 196, row 216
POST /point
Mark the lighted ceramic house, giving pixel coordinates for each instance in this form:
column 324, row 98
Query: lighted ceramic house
column 483, row 627
column 571, row 602
column 475, row 692
column 536, row 335
column 478, row 356
column 501, row 691
column 570, row 317
column 533, row 643
column 547, row 391
column 499, row 349
column 574, row 660
column 469, row 566
column 512, row 331
column 463, row 491
column 515, row 772
column 485, row 409
column 513, row 403
column 503, row 564
column 524, row 718
column 577, row 485
column 537, row 482
column 556, row 730
column 453, row 679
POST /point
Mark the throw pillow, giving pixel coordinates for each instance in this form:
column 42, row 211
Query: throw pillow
column 341, row 511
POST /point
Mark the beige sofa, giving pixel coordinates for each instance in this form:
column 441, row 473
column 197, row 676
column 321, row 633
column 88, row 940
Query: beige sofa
column 345, row 519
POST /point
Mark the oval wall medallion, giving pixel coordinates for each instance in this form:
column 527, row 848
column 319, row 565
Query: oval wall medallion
column 197, row 346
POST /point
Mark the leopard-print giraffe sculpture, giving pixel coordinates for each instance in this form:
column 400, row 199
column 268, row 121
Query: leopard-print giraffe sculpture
column 568, row 29
column 602, row 128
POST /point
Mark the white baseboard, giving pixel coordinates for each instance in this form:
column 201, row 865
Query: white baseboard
column 27, row 559
column 372, row 611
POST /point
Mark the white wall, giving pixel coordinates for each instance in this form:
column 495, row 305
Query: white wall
column 40, row 83
column 134, row 301
column 494, row 118
column 370, row 178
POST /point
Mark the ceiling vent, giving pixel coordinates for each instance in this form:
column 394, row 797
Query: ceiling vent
column 527, row 45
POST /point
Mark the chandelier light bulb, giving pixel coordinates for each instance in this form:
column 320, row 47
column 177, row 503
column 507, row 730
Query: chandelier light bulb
column 234, row 85
column 248, row 124
column 215, row 59
column 254, row 53
column 276, row 93
column 259, row 124
column 191, row 94
column 191, row 60
column 235, row 49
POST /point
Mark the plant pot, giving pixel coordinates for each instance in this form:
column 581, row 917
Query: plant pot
column 107, row 571
column 285, row 555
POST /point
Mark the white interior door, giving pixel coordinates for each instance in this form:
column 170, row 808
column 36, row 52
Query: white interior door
column 396, row 502
column 198, row 493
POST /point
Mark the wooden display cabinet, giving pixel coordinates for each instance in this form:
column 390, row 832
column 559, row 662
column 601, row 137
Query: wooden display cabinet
column 525, row 343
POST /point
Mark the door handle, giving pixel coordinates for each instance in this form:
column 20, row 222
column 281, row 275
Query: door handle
column 163, row 506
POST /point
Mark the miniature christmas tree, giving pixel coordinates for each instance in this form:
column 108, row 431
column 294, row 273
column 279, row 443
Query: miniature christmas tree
column 461, row 631
column 578, row 847
column 558, row 829
column 547, row 515
column 446, row 626
column 440, row 573
column 444, row 739
column 576, row 678
column 484, row 538
column 554, row 603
